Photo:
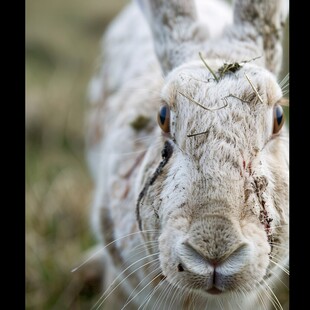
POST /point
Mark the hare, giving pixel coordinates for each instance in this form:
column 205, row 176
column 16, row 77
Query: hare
column 188, row 149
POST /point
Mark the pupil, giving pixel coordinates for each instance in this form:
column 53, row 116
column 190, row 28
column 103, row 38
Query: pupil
column 180, row 268
column 162, row 114
column 279, row 115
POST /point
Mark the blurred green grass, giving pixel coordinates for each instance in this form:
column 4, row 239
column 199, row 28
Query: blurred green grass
column 62, row 45
column 62, row 52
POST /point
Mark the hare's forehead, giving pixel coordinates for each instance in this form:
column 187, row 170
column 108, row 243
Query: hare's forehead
column 196, row 83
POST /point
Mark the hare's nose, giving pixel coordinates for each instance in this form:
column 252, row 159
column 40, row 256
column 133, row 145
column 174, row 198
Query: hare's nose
column 195, row 254
column 230, row 258
column 216, row 269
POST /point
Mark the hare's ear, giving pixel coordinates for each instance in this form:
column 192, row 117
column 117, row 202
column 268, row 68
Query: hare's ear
column 174, row 29
column 267, row 19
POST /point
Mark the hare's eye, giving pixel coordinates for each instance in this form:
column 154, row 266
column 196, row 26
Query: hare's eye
column 163, row 118
column 278, row 118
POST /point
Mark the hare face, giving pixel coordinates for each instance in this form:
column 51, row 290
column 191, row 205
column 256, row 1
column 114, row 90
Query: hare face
column 218, row 193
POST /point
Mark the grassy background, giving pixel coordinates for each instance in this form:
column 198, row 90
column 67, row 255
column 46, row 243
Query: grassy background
column 62, row 48
column 62, row 45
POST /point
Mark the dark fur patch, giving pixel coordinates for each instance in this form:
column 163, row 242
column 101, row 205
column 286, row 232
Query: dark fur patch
column 166, row 154
column 260, row 184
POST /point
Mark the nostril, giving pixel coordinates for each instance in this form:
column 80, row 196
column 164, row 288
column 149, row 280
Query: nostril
column 180, row 267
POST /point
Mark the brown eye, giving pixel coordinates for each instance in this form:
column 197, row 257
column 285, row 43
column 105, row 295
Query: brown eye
column 278, row 118
column 163, row 118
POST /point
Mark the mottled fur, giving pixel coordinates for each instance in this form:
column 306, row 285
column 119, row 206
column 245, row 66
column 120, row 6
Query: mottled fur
column 219, row 198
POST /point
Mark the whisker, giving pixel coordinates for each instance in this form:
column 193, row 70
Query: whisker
column 134, row 257
column 160, row 297
column 176, row 290
column 149, row 245
column 101, row 249
column 137, row 251
column 220, row 304
column 87, row 260
column 167, row 297
column 286, row 86
column 179, row 289
column 195, row 299
column 183, row 296
column 132, row 298
column 278, row 278
column 111, row 285
column 285, row 99
column 279, row 245
column 281, row 267
column 284, row 80
column 267, row 294
column 151, row 294
column 262, row 299
column 276, row 253
column 276, row 300
column 236, row 297
column 285, row 92
column 244, row 290
column 279, row 258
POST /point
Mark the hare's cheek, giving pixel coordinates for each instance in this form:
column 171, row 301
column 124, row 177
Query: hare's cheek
column 168, row 242
column 260, row 249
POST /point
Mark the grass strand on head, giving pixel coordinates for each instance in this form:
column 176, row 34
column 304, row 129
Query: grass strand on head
column 215, row 77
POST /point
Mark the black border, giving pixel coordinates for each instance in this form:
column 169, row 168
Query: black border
column 299, row 156
column 13, row 152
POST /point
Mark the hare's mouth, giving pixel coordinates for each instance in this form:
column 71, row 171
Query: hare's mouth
column 214, row 291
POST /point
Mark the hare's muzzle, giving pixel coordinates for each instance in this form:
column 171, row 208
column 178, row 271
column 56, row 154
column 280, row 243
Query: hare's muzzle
column 215, row 253
column 218, row 270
